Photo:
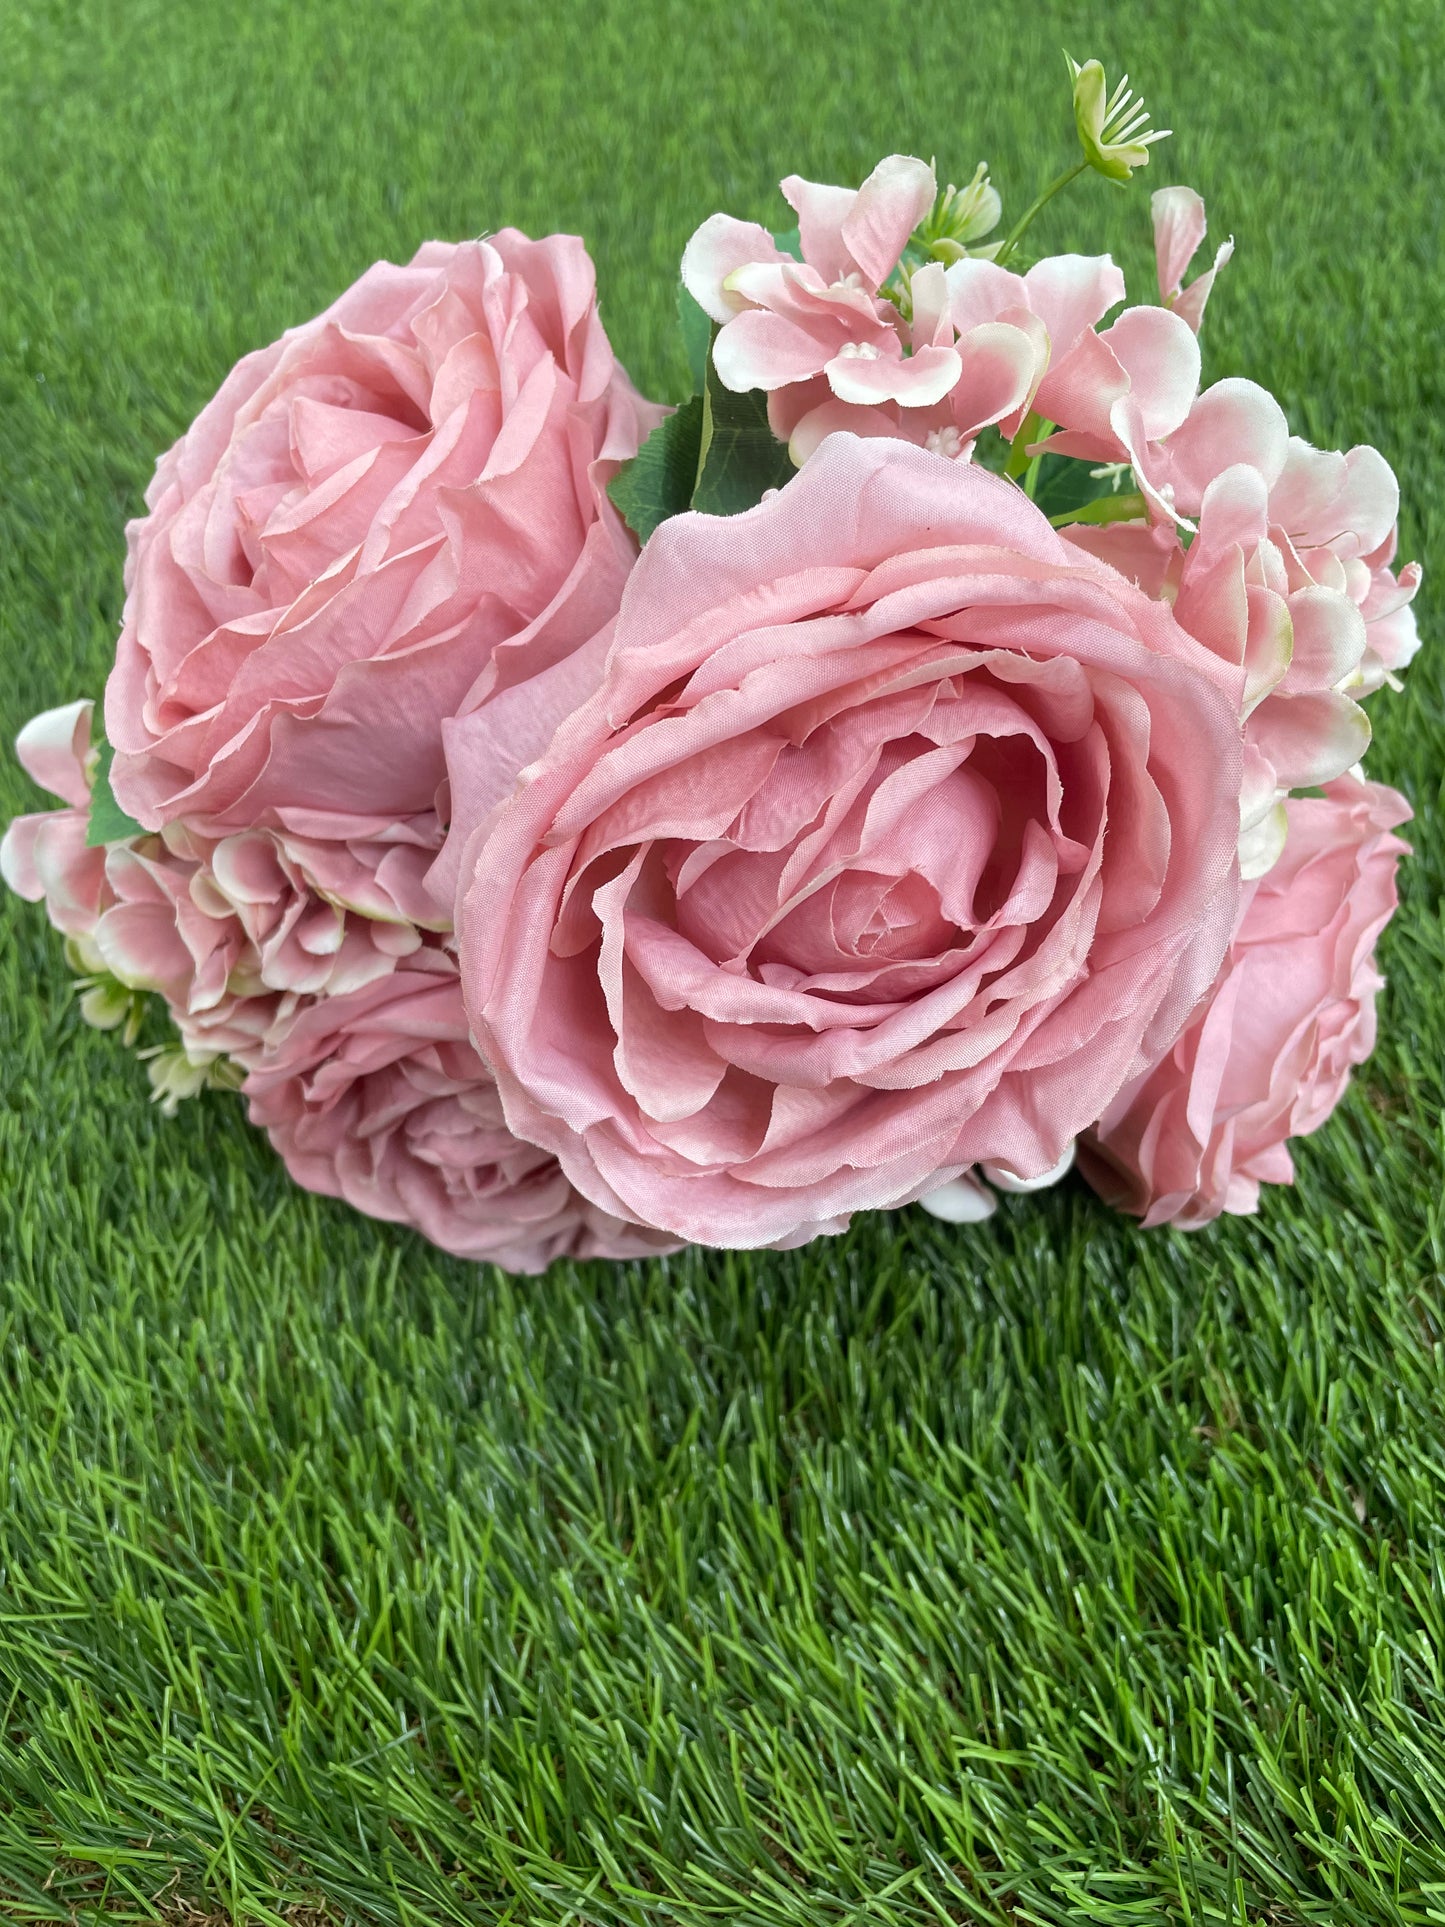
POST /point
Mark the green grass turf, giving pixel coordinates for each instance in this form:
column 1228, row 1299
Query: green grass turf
column 1042, row 1572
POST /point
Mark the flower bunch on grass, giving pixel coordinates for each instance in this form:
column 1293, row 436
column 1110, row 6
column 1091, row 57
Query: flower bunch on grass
column 927, row 757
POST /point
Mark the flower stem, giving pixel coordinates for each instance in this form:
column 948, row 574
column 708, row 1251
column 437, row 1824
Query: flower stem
column 1072, row 174
column 1032, row 428
column 1104, row 509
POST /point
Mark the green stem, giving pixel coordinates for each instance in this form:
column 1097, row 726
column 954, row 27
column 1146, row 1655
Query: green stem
column 1032, row 428
column 704, row 440
column 1130, row 507
column 1048, row 194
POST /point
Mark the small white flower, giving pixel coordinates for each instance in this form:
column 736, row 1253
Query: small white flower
column 946, row 441
column 176, row 1075
column 1113, row 128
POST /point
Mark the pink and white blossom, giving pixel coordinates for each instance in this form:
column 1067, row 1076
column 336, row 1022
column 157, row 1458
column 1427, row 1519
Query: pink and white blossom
column 829, row 350
column 1179, row 229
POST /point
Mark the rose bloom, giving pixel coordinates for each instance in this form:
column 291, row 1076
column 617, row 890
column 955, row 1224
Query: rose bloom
column 394, row 511
column 379, row 1097
column 352, row 1028
column 1269, row 1054
column 898, row 838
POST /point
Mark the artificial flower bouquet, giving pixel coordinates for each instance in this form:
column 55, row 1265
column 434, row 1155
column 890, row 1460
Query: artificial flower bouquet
column 928, row 756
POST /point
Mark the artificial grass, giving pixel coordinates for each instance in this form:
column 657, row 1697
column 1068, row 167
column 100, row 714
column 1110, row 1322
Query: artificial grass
column 1045, row 1571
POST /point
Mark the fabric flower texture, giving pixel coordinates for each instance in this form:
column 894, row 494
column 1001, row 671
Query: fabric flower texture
column 388, row 515
column 899, row 837
column 893, row 774
column 378, row 1097
column 345, row 1033
column 827, row 347
column 833, row 354
column 1275, row 554
column 1269, row 1055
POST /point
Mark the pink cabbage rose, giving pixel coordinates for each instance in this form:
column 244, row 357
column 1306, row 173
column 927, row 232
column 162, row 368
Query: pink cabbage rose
column 351, row 1027
column 898, row 838
column 378, row 1097
column 1268, row 1056
column 389, row 514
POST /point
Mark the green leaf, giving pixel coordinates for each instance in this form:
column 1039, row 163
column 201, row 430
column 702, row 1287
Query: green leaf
column 1066, row 485
column 789, row 240
column 740, row 458
column 716, row 453
column 1032, row 428
column 108, row 822
column 658, row 481
column 992, row 451
column 696, row 328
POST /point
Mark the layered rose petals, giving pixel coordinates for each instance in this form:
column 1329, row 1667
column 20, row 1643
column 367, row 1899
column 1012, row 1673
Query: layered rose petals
column 879, row 843
column 1269, row 1054
column 899, row 836
column 378, row 1097
column 309, row 967
column 378, row 521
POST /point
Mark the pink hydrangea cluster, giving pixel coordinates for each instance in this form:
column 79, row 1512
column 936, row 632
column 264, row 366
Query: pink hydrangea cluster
column 889, row 840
